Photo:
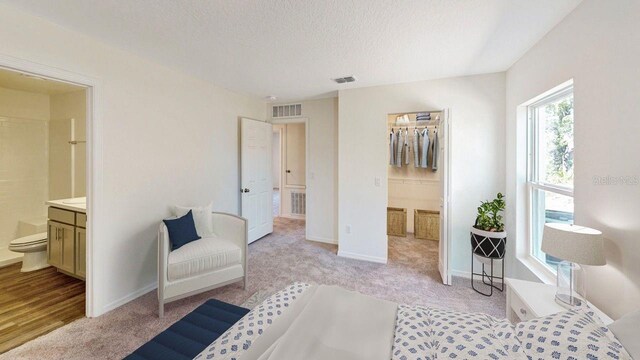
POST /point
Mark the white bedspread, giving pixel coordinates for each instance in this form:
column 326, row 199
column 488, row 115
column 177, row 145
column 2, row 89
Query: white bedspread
column 305, row 322
column 339, row 324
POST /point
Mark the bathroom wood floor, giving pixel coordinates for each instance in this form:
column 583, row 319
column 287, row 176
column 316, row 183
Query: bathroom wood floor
column 35, row 303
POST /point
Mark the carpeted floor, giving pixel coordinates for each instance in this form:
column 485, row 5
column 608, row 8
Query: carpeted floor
column 410, row 277
column 275, row 206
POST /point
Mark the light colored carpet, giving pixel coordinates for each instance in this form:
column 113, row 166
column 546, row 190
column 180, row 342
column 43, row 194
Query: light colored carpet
column 410, row 277
column 275, row 205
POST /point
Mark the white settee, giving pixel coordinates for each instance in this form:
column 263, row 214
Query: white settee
column 204, row 264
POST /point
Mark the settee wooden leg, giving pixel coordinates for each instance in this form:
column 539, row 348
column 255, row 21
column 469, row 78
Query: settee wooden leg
column 161, row 309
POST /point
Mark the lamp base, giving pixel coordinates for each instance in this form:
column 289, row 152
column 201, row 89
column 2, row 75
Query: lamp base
column 568, row 301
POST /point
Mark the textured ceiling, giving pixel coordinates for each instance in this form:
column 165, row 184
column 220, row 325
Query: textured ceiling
column 292, row 48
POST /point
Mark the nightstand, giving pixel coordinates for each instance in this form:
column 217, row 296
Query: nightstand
column 528, row 300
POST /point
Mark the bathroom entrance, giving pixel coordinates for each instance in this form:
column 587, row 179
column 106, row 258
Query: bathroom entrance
column 43, row 222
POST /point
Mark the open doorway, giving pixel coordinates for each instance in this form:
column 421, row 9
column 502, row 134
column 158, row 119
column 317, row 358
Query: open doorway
column 276, row 170
column 290, row 163
column 289, row 169
column 43, row 233
column 418, row 176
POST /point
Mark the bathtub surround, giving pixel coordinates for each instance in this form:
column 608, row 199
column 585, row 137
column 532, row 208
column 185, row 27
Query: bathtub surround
column 67, row 162
column 24, row 120
column 37, row 121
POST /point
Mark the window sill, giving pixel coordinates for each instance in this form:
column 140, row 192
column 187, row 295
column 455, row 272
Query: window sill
column 542, row 272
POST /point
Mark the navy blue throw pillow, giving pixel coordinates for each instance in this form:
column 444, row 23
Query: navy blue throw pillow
column 181, row 230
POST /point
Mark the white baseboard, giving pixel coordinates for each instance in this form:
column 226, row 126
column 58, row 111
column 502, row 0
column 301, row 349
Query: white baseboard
column 322, row 239
column 462, row 274
column 355, row 256
column 129, row 297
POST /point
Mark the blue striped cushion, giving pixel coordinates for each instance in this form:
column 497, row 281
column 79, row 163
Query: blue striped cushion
column 193, row 333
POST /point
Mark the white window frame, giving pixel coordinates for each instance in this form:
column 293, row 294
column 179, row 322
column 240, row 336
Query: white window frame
column 542, row 269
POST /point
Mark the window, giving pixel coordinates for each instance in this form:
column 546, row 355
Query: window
column 550, row 167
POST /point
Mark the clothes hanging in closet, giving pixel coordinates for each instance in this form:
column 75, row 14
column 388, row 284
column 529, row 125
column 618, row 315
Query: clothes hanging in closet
column 424, row 136
column 392, row 145
column 434, row 152
column 407, row 148
column 400, row 141
column 416, row 148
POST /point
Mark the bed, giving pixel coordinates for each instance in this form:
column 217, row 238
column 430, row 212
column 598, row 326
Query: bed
column 313, row 322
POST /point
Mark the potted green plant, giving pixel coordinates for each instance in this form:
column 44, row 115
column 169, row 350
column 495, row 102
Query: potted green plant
column 488, row 237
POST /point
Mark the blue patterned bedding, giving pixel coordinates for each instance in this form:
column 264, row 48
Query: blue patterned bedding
column 424, row 333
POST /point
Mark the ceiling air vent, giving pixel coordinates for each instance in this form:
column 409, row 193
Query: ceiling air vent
column 290, row 110
column 346, row 79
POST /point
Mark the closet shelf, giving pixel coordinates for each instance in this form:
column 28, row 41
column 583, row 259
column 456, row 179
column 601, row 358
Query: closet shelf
column 414, row 181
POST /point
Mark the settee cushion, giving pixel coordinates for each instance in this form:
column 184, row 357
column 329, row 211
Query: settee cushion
column 202, row 256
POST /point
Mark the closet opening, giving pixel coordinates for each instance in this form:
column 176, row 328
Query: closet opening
column 417, row 205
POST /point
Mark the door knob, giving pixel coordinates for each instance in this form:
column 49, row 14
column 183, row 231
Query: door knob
column 245, row 190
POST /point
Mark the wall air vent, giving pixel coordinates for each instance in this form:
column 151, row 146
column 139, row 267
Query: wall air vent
column 346, row 79
column 291, row 110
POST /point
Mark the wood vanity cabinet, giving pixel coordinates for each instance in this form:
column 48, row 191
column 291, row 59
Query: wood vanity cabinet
column 67, row 241
column 81, row 245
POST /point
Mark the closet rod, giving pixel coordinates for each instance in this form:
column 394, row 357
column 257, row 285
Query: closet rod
column 417, row 112
column 414, row 126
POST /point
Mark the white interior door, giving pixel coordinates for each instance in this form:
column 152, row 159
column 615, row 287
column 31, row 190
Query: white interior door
column 445, row 198
column 256, row 183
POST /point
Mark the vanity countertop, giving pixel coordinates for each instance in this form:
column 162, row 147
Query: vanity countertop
column 73, row 204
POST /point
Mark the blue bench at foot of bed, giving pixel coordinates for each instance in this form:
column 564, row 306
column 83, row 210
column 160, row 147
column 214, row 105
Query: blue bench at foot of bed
column 193, row 333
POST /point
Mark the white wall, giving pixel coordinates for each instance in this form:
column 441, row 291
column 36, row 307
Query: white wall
column 24, row 120
column 167, row 138
column 477, row 105
column 64, row 107
column 598, row 45
column 322, row 185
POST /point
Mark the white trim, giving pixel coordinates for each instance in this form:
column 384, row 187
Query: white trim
column 307, row 165
column 548, row 93
column 539, row 270
column 355, row 256
column 322, row 240
column 94, row 164
column 551, row 188
column 444, row 265
column 461, row 274
column 129, row 297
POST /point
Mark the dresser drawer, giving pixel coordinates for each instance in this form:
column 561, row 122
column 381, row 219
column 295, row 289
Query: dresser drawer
column 62, row 216
column 521, row 310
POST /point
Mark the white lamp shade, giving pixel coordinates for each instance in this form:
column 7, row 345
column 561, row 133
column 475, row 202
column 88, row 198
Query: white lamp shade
column 573, row 243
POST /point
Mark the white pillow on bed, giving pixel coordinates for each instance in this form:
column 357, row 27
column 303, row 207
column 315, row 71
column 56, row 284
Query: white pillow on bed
column 573, row 334
column 627, row 330
column 201, row 217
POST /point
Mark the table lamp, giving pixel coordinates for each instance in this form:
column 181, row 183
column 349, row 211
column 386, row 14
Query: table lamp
column 575, row 245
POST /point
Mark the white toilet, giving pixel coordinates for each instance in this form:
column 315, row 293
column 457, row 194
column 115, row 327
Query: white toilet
column 34, row 248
